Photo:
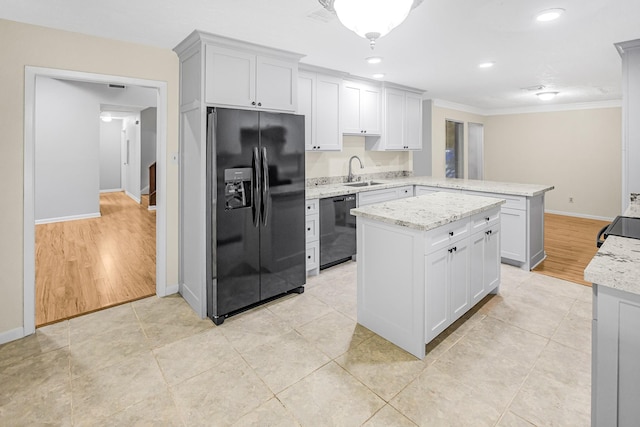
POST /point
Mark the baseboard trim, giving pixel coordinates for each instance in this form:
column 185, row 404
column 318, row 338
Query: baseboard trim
column 11, row 335
column 68, row 218
column 137, row 199
column 152, row 208
column 173, row 289
column 579, row 215
column 112, row 190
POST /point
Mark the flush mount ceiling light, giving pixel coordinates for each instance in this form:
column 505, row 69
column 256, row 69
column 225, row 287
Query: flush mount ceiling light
column 487, row 64
column 374, row 59
column 370, row 19
column 549, row 15
column 546, row 96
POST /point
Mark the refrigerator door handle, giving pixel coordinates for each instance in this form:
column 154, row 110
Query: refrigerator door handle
column 255, row 206
column 265, row 186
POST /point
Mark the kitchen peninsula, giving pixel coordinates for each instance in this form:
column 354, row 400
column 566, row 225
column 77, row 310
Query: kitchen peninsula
column 522, row 214
column 423, row 262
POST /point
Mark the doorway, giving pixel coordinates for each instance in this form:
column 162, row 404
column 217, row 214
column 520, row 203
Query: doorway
column 476, row 150
column 454, row 149
column 31, row 73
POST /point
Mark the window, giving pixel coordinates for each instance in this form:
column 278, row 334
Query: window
column 454, row 149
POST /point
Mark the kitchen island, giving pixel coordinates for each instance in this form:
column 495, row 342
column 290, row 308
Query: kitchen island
column 615, row 375
column 423, row 262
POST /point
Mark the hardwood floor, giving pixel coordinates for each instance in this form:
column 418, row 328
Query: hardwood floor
column 87, row 265
column 570, row 243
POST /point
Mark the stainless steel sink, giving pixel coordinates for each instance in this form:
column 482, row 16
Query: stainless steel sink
column 363, row 184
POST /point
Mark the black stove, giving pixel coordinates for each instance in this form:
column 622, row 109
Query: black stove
column 623, row 226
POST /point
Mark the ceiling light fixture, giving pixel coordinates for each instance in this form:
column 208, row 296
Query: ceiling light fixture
column 549, row 15
column 488, row 64
column 546, row 96
column 374, row 59
column 378, row 76
column 370, row 19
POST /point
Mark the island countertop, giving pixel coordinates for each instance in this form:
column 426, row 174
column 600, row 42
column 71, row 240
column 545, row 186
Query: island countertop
column 506, row 188
column 617, row 263
column 429, row 211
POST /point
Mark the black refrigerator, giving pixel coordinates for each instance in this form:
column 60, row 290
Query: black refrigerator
column 255, row 209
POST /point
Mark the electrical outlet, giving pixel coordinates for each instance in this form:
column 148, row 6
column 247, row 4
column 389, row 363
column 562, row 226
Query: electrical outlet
column 570, row 199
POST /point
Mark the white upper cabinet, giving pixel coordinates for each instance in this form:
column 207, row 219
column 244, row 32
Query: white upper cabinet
column 361, row 113
column 413, row 121
column 402, row 121
column 245, row 79
column 319, row 101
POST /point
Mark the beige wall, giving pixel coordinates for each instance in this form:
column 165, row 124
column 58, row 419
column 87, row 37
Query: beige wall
column 578, row 151
column 26, row 45
column 439, row 116
column 336, row 163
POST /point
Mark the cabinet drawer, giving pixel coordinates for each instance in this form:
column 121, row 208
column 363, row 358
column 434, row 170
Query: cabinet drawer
column 404, row 192
column 376, row 196
column 446, row 235
column 312, row 207
column 312, row 228
column 313, row 250
column 485, row 219
column 513, row 202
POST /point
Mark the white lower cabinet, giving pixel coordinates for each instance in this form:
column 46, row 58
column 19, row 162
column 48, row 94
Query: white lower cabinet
column 484, row 269
column 522, row 225
column 313, row 236
column 384, row 195
column 447, row 286
column 514, row 239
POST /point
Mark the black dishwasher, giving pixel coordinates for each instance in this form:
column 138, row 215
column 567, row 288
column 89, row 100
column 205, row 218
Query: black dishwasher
column 337, row 230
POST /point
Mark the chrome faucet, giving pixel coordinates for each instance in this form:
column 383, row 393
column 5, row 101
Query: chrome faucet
column 350, row 176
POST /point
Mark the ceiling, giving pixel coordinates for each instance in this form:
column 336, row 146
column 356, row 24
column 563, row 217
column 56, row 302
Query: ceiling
column 437, row 48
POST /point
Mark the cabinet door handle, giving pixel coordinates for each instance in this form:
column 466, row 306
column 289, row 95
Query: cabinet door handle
column 308, row 207
column 451, row 233
column 309, row 257
column 486, row 218
column 453, row 249
column 259, row 104
column 488, row 232
column 308, row 228
column 253, row 103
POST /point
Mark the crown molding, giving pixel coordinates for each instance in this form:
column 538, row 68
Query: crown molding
column 615, row 103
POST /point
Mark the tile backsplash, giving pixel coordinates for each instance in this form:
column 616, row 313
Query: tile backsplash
column 335, row 164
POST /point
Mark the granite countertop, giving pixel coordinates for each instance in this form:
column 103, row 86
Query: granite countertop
column 617, row 262
column 506, row 188
column 429, row 211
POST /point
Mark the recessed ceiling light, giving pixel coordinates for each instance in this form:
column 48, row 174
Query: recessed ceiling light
column 549, row 15
column 546, row 96
column 487, row 64
column 378, row 76
column 374, row 59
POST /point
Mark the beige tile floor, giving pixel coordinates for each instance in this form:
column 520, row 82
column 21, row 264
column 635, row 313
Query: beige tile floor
column 521, row 359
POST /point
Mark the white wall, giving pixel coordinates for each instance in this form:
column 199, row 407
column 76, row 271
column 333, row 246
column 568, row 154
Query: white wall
column 68, row 144
column 577, row 151
column 148, row 124
column 66, row 152
column 110, row 155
